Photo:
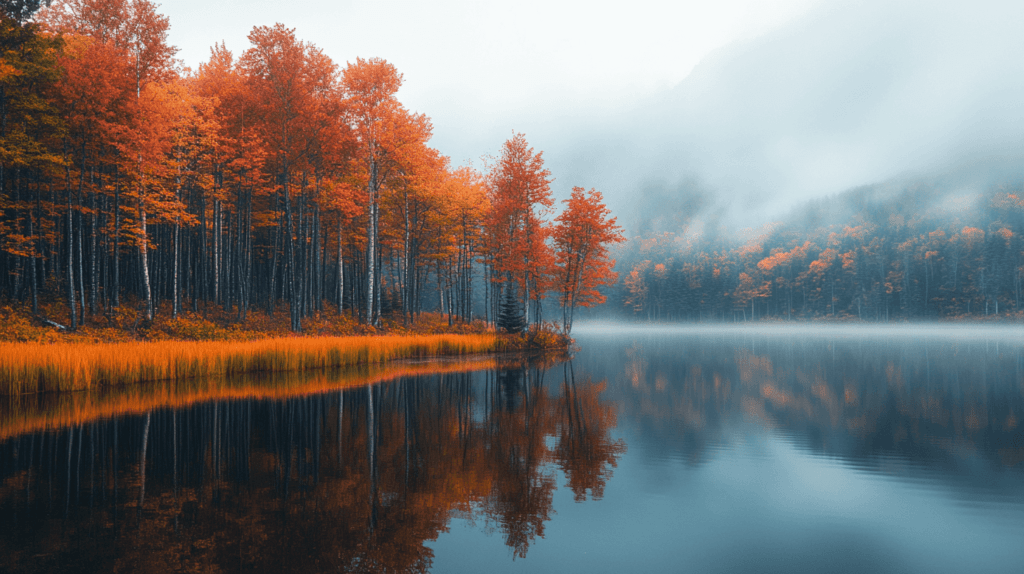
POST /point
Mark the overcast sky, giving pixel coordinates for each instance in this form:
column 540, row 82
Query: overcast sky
column 758, row 103
column 853, row 92
column 482, row 69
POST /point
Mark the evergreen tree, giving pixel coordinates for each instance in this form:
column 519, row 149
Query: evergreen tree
column 510, row 316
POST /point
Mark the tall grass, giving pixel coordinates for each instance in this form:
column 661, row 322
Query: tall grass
column 36, row 367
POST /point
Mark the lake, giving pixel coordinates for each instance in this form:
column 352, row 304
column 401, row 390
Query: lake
column 777, row 448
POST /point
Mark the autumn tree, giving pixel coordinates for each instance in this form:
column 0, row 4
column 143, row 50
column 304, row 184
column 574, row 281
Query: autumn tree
column 96, row 100
column 371, row 86
column 582, row 234
column 467, row 206
column 192, row 137
column 520, row 196
column 293, row 87
column 390, row 146
column 637, row 290
column 413, row 225
column 133, row 26
column 138, row 34
column 29, row 123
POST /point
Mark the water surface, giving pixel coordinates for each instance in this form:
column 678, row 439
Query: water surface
column 778, row 449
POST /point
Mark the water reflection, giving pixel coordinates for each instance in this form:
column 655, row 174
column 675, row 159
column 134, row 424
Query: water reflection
column 774, row 451
column 944, row 404
column 26, row 413
column 348, row 480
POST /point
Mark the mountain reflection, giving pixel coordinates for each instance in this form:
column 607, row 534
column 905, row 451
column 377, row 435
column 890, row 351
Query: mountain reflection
column 932, row 403
column 349, row 480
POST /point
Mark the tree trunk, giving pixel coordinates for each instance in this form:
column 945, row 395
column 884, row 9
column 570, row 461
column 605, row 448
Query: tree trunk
column 70, row 243
column 117, row 238
column 371, row 244
column 341, row 268
column 144, row 257
column 289, row 276
column 373, row 272
column 81, row 239
column 272, row 295
column 407, row 256
column 216, row 250
column 93, row 275
column 35, row 254
column 300, row 280
column 246, row 279
column 176, row 273
column 228, row 255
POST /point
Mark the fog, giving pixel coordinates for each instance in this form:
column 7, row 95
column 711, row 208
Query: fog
column 901, row 332
column 735, row 113
column 852, row 93
column 480, row 70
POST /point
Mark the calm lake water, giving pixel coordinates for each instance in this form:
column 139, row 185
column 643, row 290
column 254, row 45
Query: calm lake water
column 714, row 449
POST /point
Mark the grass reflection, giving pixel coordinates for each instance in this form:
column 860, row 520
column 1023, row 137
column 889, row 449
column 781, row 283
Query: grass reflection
column 30, row 413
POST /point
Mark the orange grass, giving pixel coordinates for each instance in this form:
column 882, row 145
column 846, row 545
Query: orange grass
column 38, row 367
column 31, row 413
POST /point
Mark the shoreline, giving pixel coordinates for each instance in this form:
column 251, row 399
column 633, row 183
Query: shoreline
column 28, row 368
column 124, row 324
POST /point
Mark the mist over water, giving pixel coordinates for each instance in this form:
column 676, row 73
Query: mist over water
column 902, row 333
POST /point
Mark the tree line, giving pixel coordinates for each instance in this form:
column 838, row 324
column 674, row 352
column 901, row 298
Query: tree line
column 273, row 179
column 889, row 252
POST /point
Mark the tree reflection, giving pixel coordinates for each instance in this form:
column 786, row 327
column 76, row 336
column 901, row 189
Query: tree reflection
column 517, row 423
column 585, row 451
column 934, row 403
column 352, row 481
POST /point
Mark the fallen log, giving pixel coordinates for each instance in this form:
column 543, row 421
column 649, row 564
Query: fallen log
column 53, row 324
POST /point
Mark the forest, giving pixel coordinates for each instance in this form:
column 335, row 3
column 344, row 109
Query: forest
column 277, row 180
column 910, row 249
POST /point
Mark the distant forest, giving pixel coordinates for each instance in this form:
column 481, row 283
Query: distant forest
column 894, row 251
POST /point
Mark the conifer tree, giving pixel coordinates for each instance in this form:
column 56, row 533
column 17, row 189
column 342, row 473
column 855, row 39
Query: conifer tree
column 510, row 317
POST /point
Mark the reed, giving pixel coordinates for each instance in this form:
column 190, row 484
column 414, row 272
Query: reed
column 38, row 367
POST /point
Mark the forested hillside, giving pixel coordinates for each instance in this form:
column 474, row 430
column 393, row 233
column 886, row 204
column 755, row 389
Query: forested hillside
column 900, row 250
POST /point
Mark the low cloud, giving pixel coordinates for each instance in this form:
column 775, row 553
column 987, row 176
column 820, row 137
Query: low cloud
column 853, row 93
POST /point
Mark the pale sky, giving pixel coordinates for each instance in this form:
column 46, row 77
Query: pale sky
column 483, row 69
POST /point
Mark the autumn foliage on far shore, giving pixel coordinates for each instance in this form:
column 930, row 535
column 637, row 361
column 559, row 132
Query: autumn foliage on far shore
column 884, row 254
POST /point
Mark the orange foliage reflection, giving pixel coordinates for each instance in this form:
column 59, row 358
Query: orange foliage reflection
column 347, row 479
column 947, row 403
column 31, row 413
